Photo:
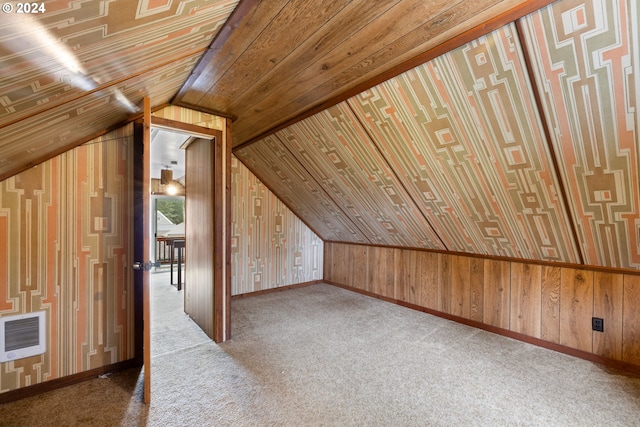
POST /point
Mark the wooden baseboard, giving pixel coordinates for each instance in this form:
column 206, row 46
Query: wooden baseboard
column 278, row 289
column 46, row 386
column 611, row 363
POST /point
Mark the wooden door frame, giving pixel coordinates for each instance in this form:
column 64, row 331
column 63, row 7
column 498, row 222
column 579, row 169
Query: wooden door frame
column 221, row 180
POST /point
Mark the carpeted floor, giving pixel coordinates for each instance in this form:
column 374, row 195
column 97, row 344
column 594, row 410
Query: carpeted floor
column 321, row 355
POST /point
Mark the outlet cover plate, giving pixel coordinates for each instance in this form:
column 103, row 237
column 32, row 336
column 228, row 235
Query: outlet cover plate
column 597, row 324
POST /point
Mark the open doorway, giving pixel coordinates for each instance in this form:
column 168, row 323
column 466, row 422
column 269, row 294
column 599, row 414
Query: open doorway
column 207, row 214
column 167, row 213
column 167, row 207
column 168, row 250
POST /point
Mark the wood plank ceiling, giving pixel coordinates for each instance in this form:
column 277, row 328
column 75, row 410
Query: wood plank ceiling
column 504, row 128
column 286, row 57
column 522, row 143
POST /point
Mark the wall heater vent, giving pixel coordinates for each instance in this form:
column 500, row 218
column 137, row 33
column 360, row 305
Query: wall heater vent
column 22, row 335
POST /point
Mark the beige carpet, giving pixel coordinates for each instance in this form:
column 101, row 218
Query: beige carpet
column 321, row 355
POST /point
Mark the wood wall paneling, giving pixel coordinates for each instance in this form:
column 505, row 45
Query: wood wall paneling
column 550, row 304
column 526, row 297
column 378, row 265
column 372, row 260
column 428, row 280
column 444, row 282
column 631, row 320
column 390, row 271
column 546, row 302
column 576, row 308
column 476, row 305
column 340, row 262
column 497, row 293
column 328, row 266
column 607, row 304
column 460, row 286
column 402, row 275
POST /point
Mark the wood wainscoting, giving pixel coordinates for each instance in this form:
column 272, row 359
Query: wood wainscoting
column 544, row 304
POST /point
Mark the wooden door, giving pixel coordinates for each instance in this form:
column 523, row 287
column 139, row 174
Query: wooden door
column 142, row 196
column 207, row 225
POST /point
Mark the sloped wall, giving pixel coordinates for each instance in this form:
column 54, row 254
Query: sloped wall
column 586, row 62
column 270, row 246
column 521, row 144
column 65, row 242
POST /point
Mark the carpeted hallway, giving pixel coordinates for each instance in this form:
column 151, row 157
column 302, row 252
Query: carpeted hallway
column 321, row 355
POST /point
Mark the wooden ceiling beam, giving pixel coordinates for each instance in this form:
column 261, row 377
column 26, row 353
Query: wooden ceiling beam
column 237, row 18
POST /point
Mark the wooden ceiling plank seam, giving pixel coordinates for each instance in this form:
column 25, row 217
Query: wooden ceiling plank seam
column 544, row 123
column 496, row 22
column 308, row 53
column 395, row 173
column 272, row 48
column 330, row 74
column 241, row 16
column 320, row 184
column 102, row 87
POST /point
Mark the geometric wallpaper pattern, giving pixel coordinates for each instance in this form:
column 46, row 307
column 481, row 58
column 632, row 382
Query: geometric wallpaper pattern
column 270, row 246
column 333, row 147
column 453, row 154
column 587, row 68
column 22, row 141
column 97, row 59
column 299, row 190
column 185, row 115
column 65, row 248
column 464, row 133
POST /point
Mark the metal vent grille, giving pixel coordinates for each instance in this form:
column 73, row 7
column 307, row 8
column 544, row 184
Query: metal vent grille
column 21, row 333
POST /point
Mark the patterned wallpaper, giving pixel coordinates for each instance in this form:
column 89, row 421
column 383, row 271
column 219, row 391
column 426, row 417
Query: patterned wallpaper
column 335, row 149
column 270, row 246
column 186, row 115
column 65, row 239
column 587, row 68
column 300, row 190
column 465, row 137
column 453, row 154
column 92, row 63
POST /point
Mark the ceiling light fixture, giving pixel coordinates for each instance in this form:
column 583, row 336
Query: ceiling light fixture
column 166, row 176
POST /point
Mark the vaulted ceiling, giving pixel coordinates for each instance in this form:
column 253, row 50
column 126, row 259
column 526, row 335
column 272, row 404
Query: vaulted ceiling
column 504, row 128
column 522, row 143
